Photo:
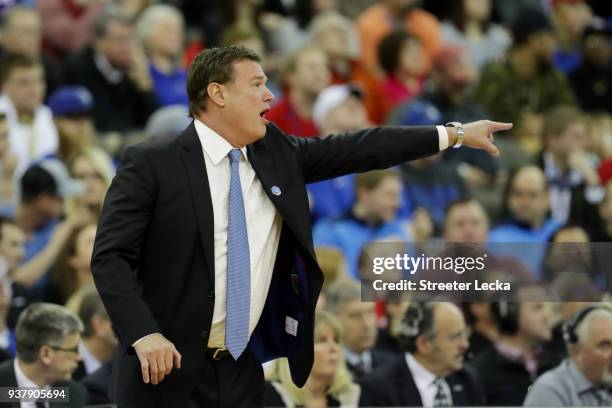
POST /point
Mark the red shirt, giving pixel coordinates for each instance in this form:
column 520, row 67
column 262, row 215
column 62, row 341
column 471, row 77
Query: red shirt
column 286, row 118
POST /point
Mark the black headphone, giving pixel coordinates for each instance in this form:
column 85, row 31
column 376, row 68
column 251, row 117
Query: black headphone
column 506, row 314
column 413, row 324
column 569, row 327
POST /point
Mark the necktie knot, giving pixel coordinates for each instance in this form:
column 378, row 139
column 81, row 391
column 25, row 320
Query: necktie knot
column 234, row 156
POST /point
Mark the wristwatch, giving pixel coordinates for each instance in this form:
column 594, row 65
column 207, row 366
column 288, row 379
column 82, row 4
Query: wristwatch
column 459, row 127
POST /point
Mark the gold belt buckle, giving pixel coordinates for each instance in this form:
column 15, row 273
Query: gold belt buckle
column 217, row 351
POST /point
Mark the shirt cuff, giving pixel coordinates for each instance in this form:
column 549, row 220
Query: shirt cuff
column 442, row 137
column 136, row 342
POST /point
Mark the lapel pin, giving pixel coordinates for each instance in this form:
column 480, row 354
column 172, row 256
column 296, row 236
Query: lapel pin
column 457, row 387
column 275, row 190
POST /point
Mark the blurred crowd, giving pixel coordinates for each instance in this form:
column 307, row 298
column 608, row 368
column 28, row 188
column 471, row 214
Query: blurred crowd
column 82, row 79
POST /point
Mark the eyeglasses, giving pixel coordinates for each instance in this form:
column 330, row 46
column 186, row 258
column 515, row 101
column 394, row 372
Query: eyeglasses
column 67, row 350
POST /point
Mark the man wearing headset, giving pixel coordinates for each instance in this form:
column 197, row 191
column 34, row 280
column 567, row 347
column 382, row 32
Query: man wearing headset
column 431, row 372
column 585, row 377
column 509, row 367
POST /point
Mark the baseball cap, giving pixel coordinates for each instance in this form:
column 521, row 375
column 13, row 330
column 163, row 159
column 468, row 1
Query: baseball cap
column 66, row 186
column 331, row 97
column 71, row 101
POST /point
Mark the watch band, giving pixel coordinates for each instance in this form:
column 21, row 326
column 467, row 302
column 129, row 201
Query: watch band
column 459, row 127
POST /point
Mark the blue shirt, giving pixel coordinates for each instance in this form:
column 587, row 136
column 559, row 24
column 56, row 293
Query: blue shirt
column 349, row 235
column 525, row 244
column 332, row 198
column 171, row 89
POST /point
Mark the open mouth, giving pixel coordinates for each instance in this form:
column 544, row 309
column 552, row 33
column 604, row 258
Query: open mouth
column 262, row 114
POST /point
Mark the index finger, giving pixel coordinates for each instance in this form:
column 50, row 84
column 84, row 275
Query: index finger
column 499, row 126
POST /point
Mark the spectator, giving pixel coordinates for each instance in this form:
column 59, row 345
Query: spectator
column 585, row 378
column 72, row 271
column 337, row 37
column 358, row 320
column 570, row 171
column 66, row 24
column 431, row 372
column 12, row 241
column 160, row 28
column 47, row 339
column 526, row 222
column 72, row 107
column 7, row 335
column 329, row 383
column 21, row 33
column 571, row 18
column 99, row 342
column 94, row 168
column 601, row 230
column 306, row 74
column 509, row 368
column 373, row 217
column 8, row 162
column 392, row 315
column 116, row 73
column 43, row 189
column 338, row 109
column 401, row 57
column 526, row 82
column 167, row 122
column 591, row 80
column 383, row 16
column 468, row 24
column 452, row 77
column 32, row 134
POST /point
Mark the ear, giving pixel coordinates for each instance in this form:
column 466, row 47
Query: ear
column 216, row 94
column 97, row 324
column 422, row 344
column 44, row 355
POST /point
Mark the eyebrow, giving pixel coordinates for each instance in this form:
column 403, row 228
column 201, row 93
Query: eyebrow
column 259, row 77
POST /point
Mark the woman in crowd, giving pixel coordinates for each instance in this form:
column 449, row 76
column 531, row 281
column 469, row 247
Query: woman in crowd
column 330, row 383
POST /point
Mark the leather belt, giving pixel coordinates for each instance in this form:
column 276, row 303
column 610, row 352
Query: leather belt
column 217, row 353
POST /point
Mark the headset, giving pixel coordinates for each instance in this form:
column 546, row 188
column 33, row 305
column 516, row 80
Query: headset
column 506, row 313
column 569, row 327
column 417, row 316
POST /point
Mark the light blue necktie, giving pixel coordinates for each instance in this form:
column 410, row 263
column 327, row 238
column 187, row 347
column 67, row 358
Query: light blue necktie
column 238, row 266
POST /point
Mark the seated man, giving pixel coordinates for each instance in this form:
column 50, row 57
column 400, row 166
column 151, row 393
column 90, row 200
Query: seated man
column 585, row 378
column 358, row 320
column 47, row 337
column 373, row 217
column 431, row 372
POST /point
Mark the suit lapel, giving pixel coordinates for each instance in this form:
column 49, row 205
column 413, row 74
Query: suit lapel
column 409, row 393
column 193, row 159
column 457, row 390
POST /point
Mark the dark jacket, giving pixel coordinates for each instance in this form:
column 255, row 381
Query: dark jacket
column 394, row 386
column 77, row 395
column 153, row 259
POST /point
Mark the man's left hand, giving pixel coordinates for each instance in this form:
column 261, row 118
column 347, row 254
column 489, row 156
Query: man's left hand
column 479, row 135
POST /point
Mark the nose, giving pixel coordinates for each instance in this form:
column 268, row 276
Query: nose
column 268, row 96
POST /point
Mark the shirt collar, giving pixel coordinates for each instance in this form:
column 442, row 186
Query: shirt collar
column 215, row 146
column 422, row 377
column 112, row 75
column 582, row 383
column 354, row 358
column 89, row 360
column 22, row 380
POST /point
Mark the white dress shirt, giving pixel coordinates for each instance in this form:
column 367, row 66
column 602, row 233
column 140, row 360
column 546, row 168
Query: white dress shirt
column 263, row 227
column 29, row 142
column 24, row 382
column 90, row 361
column 425, row 382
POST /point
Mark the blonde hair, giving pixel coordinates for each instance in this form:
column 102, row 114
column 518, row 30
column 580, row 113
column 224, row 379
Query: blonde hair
column 341, row 383
column 102, row 164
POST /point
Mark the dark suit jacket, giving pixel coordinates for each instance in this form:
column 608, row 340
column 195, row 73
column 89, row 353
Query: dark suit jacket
column 97, row 385
column 393, row 386
column 153, row 259
column 76, row 392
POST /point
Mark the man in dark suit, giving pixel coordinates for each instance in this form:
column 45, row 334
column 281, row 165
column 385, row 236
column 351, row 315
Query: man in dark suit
column 359, row 331
column 431, row 372
column 47, row 338
column 187, row 221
